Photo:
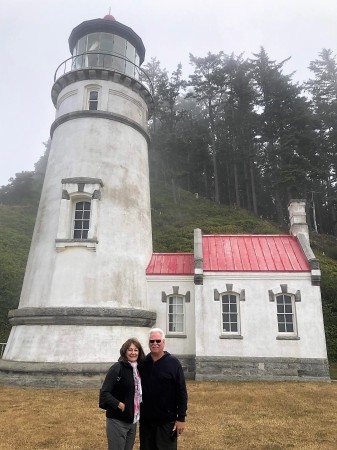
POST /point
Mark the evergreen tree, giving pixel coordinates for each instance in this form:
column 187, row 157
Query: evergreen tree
column 208, row 88
column 286, row 139
column 323, row 88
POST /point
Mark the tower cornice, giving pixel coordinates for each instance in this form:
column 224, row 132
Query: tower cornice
column 101, row 115
column 101, row 74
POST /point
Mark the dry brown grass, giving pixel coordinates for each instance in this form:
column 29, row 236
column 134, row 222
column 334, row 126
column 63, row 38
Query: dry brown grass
column 256, row 415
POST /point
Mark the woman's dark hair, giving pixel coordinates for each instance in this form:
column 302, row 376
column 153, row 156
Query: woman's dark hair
column 136, row 343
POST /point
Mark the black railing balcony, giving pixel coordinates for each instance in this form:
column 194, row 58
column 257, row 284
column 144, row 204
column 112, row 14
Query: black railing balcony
column 109, row 61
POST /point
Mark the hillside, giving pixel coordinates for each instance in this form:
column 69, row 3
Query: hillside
column 17, row 224
column 173, row 225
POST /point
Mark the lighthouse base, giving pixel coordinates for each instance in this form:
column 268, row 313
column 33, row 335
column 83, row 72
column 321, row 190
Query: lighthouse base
column 69, row 347
column 57, row 375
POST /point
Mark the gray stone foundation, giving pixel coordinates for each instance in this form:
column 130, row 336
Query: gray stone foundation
column 188, row 363
column 67, row 375
column 219, row 368
column 57, row 375
column 91, row 375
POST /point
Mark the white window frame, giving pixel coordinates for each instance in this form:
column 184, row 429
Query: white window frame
column 231, row 333
column 282, row 311
column 295, row 295
column 169, row 313
column 93, row 101
column 88, row 90
column 82, row 229
column 75, row 190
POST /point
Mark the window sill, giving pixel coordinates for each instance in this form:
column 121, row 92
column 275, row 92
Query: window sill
column 230, row 336
column 176, row 336
column 62, row 244
column 287, row 338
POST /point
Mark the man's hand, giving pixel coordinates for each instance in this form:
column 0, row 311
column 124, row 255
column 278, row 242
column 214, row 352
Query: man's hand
column 179, row 426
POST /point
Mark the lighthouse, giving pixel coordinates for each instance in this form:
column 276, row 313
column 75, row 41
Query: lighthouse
column 84, row 291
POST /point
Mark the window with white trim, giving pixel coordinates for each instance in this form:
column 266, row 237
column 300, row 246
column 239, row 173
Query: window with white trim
column 79, row 213
column 176, row 314
column 286, row 319
column 230, row 309
column 93, row 100
column 81, row 219
column 286, row 298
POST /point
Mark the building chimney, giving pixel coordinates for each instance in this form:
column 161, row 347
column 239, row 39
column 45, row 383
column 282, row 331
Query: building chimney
column 198, row 257
column 297, row 217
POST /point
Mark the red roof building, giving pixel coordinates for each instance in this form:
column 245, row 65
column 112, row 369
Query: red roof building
column 236, row 253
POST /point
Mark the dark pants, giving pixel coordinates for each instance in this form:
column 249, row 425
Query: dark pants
column 154, row 436
column 121, row 435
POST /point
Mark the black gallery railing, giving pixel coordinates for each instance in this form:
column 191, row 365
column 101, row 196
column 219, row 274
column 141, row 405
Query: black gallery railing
column 99, row 60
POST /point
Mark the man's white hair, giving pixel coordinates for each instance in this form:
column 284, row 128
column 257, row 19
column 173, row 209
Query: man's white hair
column 157, row 330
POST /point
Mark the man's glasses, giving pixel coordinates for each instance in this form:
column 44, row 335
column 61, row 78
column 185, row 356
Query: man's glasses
column 157, row 341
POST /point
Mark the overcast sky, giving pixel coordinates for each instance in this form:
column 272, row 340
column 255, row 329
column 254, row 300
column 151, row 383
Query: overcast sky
column 34, row 41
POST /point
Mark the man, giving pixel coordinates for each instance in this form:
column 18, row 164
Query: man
column 163, row 410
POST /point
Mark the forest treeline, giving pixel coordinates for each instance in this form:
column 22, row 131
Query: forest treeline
column 240, row 132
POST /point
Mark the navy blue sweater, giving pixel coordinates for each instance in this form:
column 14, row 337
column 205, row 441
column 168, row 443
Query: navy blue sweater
column 164, row 390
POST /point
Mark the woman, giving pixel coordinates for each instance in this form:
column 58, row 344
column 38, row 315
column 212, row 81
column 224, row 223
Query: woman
column 121, row 395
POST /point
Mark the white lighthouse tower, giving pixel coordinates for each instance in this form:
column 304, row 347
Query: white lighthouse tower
column 84, row 291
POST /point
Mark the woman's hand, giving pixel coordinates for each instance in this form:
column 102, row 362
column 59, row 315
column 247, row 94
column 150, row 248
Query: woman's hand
column 121, row 406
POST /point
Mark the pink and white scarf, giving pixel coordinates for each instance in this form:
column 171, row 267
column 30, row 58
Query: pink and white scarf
column 138, row 392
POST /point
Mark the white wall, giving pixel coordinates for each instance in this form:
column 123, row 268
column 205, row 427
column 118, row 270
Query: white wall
column 113, row 97
column 258, row 317
column 69, row 343
column 157, row 284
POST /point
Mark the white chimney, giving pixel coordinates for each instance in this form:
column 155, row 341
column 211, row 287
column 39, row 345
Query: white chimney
column 298, row 219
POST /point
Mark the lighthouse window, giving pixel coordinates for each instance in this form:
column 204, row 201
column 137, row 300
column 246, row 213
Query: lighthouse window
column 107, row 42
column 82, row 220
column 78, row 213
column 93, row 42
column 119, row 49
column 93, row 100
column 130, row 54
column 106, row 50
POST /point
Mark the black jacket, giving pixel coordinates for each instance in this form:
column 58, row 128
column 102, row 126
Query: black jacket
column 118, row 386
column 164, row 390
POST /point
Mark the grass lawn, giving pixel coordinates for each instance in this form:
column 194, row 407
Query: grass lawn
column 333, row 370
column 221, row 415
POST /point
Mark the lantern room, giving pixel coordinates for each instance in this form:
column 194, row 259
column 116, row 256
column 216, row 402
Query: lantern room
column 108, row 44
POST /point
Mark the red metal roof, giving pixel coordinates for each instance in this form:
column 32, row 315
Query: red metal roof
column 171, row 264
column 253, row 253
column 236, row 253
